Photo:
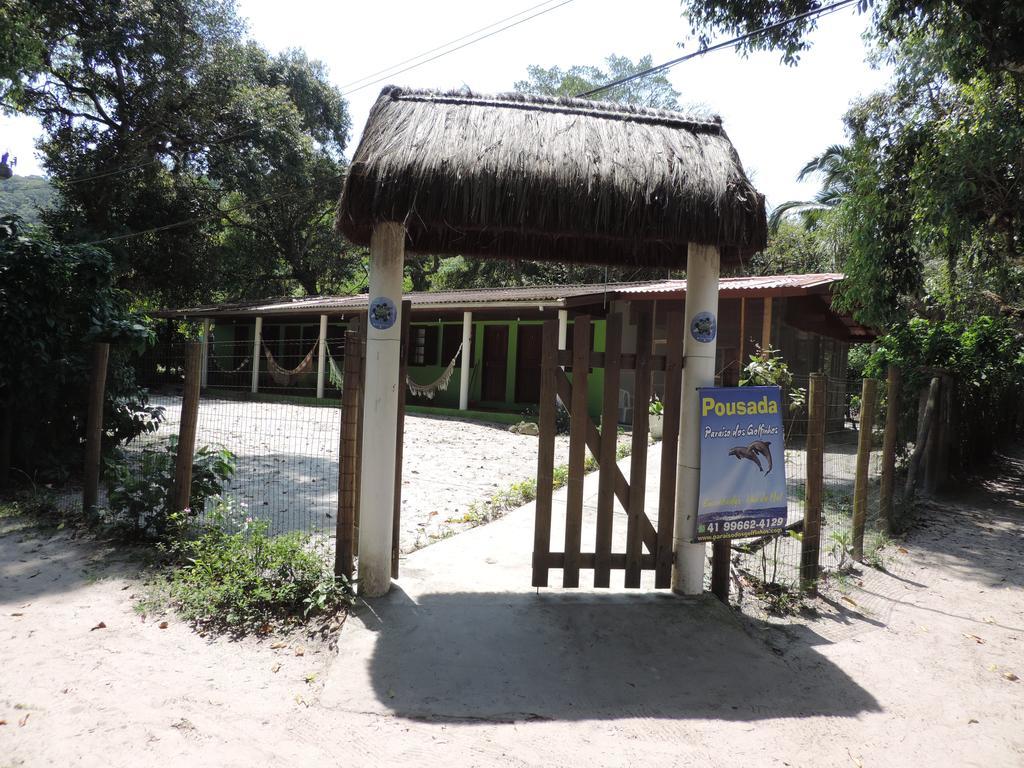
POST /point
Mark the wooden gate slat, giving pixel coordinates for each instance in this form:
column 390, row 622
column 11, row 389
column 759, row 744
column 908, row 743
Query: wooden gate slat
column 545, row 453
column 606, row 457
column 627, row 360
column 396, row 519
column 578, row 420
column 589, row 560
column 669, row 446
column 650, row 536
column 638, row 460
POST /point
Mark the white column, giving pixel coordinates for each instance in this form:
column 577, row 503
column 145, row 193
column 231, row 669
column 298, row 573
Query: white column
column 321, row 360
column 380, row 408
column 204, row 344
column 563, row 334
column 467, row 357
column 256, row 335
column 702, row 269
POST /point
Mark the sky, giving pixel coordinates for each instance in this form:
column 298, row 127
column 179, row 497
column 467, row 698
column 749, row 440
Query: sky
column 778, row 117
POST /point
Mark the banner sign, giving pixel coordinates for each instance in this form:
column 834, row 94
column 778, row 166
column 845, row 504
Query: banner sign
column 742, row 463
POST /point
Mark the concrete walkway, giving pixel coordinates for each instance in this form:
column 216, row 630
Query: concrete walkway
column 463, row 636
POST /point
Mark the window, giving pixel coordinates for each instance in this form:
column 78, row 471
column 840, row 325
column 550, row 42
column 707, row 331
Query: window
column 422, row 345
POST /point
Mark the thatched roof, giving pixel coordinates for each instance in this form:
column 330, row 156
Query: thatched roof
column 571, row 180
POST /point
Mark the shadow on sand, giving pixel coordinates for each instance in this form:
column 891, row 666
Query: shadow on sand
column 506, row 657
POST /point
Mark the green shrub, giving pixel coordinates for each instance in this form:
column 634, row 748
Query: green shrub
column 139, row 492
column 238, row 578
column 55, row 301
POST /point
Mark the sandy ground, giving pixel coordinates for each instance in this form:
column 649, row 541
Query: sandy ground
column 917, row 666
column 288, row 463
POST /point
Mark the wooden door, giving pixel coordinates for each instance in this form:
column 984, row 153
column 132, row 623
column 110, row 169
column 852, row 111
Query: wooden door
column 528, row 364
column 495, row 370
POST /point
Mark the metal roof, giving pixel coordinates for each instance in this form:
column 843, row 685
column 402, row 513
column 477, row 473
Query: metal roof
column 755, row 285
column 556, row 296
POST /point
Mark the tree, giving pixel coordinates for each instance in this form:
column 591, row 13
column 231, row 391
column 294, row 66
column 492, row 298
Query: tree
column 986, row 34
column 161, row 119
column 57, row 300
column 286, row 174
column 834, row 168
column 937, row 184
column 25, row 196
column 796, row 249
column 653, row 90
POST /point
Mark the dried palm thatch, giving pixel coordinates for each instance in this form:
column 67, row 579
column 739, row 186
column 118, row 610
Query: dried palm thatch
column 571, row 180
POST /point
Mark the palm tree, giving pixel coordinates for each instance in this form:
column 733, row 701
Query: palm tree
column 834, row 166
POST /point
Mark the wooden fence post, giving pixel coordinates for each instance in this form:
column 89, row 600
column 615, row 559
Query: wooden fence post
column 94, row 426
column 187, row 429
column 721, row 553
column 348, row 466
column 396, row 520
column 892, row 418
column 869, row 390
column 810, row 546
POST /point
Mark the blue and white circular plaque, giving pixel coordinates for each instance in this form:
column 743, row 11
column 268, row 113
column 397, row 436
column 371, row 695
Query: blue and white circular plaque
column 704, row 327
column 382, row 313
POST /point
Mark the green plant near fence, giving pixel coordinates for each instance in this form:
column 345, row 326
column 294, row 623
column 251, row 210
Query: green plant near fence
column 139, row 489
column 234, row 576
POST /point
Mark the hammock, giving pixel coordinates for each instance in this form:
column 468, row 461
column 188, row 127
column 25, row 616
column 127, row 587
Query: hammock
column 283, row 376
column 439, row 385
column 336, row 376
column 213, row 359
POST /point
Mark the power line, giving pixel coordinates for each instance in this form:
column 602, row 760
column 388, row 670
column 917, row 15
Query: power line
column 126, row 169
column 444, row 45
column 460, row 47
column 718, row 46
column 816, row 13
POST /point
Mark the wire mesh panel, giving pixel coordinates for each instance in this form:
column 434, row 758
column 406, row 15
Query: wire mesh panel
column 283, row 453
column 776, row 560
column 285, row 456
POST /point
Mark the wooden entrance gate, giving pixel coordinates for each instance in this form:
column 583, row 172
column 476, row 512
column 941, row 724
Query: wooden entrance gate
column 648, row 546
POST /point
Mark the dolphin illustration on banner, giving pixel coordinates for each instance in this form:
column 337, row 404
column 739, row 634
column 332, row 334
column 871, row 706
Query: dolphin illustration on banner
column 752, row 451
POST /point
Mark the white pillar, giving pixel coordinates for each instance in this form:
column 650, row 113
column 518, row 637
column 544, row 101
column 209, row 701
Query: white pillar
column 563, row 334
column 467, row 357
column 204, row 344
column 257, row 334
column 702, row 269
column 321, row 360
column 380, row 408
